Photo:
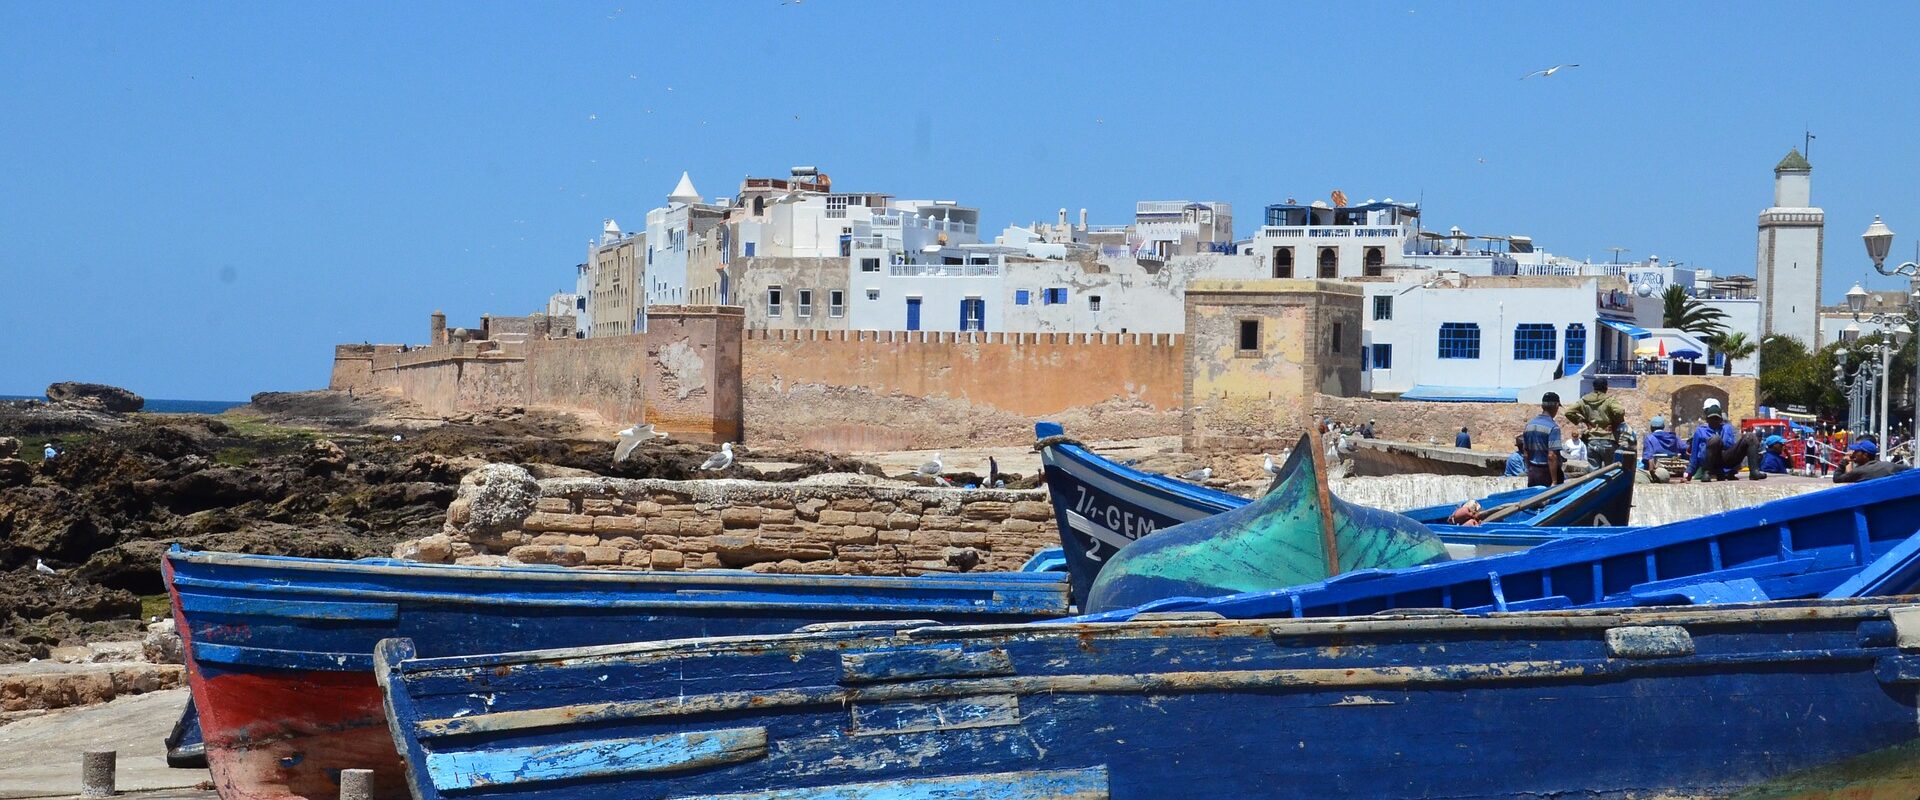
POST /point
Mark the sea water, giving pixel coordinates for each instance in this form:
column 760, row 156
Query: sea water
column 158, row 406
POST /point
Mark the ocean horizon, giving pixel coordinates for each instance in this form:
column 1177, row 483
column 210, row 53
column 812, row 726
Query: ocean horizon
column 160, row 406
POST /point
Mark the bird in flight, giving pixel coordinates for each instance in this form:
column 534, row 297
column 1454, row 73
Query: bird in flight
column 1548, row 72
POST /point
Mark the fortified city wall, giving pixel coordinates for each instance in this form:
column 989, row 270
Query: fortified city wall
column 898, row 390
column 764, row 527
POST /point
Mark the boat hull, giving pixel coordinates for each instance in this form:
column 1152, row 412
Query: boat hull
column 279, row 650
column 1808, row 700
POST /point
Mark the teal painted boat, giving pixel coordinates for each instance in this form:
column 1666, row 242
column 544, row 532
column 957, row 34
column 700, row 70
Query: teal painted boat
column 1299, row 532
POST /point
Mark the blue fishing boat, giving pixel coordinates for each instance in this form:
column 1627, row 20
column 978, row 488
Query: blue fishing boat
column 1790, row 699
column 1796, row 547
column 280, row 650
column 1101, row 506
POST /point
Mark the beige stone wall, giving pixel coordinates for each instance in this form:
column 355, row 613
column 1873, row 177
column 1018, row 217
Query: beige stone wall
column 693, row 371
column 1260, row 399
column 606, row 376
column 353, row 365
column 763, row 527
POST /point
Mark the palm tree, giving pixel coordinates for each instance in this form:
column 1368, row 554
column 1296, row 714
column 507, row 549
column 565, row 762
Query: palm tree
column 1731, row 346
column 1681, row 310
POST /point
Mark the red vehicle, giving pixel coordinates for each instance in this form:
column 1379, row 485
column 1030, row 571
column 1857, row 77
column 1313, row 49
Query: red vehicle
column 1763, row 427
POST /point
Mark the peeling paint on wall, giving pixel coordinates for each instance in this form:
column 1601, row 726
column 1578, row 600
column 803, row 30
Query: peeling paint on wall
column 682, row 368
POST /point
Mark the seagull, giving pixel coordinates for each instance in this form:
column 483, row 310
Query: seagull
column 1548, row 72
column 720, row 460
column 933, row 467
column 42, row 568
column 1269, row 467
column 629, row 439
column 1200, row 474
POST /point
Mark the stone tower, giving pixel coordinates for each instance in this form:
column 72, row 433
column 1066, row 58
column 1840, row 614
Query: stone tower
column 437, row 328
column 1792, row 238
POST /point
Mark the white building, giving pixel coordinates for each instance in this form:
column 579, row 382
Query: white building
column 1790, row 259
column 674, row 232
column 582, row 284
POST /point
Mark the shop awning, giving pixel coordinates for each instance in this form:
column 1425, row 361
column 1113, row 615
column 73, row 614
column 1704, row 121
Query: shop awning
column 1461, row 394
column 1627, row 328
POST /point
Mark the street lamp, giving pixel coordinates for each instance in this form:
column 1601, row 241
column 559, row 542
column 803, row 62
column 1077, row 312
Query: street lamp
column 1879, row 241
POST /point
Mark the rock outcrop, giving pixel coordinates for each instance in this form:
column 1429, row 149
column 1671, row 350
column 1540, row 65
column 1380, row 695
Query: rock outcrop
column 95, row 395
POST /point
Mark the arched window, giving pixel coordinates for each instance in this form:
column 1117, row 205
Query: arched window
column 1329, row 262
column 1283, row 262
column 1576, row 352
column 759, row 205
column 1376, row 260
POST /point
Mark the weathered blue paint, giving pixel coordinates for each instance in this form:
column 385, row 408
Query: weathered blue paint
column 1101, row 506
column 1796, row 547
column 1897, row 571
column 912, row 663
column 290, row 609
column 595, row 759
column 1389, row 706
column 1076, row 784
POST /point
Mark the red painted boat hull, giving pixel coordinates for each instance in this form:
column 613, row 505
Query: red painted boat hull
column 258, row 751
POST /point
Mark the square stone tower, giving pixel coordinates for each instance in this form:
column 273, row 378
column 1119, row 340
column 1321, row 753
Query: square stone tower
column 1257, row 353
column 1792, row 239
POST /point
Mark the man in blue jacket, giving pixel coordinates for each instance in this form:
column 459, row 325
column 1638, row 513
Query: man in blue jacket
column 1660, row 443
column 1718, row 449
column 1775, row 460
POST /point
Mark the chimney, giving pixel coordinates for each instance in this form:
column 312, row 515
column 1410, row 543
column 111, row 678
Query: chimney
column 1063, row 218
column 1083, row 220
column 437, row 331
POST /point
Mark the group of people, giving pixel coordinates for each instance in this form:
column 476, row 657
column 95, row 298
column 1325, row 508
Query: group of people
column 1716, row 449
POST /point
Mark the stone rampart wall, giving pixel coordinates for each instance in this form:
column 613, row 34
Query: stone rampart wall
column 883, row 390
column 503, row 515
column 606, row 376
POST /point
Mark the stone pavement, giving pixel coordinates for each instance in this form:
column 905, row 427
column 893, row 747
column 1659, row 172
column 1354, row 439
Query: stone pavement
column 40, row 756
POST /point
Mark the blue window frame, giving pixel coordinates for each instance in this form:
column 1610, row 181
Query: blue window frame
column 1459, row 340
column 973, row 314
column 1382, row 356
column 1576, row 347
column 1021, row 297
column 749, row 248
column 1534, row 341
column 1054, row 297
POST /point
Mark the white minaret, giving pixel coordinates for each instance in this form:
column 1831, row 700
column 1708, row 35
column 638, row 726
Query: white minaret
column 1792, row 238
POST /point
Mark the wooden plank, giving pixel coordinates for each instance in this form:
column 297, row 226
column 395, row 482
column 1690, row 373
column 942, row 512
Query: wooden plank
column 919, row 662
column 987, row 711
column 1075, row 784
column 194, row 603
column 475, row 769
column 281, row 659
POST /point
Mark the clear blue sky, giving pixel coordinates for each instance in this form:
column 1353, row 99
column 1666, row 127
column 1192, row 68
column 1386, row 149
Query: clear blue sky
column 198, row 201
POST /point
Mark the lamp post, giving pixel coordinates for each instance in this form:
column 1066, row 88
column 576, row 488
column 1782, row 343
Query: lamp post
column 1879, row 240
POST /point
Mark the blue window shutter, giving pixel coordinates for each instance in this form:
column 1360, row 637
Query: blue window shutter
column 749, row 246
column 1020, row 297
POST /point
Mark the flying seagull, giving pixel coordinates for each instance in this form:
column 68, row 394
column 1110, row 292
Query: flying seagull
column 1548, row 72
column 933, row 467
column 42, row 568
column 631, row 438
column 720, row 460
column 1200, row 474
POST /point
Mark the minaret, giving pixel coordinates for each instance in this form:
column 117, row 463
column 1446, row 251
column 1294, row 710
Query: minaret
column 1792, row 238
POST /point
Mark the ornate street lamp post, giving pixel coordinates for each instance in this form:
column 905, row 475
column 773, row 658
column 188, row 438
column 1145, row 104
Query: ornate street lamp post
column 1879, row 240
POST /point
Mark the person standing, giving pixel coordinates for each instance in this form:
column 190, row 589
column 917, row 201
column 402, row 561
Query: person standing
column 1718, row 449
column 1601, row 418
column 1863, row 463
column 1462, row 440
column 1541, row 441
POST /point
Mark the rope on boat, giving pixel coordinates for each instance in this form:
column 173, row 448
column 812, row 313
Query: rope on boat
column 1052, row 441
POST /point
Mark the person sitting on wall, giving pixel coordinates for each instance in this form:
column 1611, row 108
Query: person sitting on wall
column 1462, row 440
column 1517, row 460
column 1863, row 463
column 1775, row 460
column 1717, row 449
column 1661, row 444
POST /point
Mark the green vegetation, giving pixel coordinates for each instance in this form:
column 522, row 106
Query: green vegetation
column 1735, row 346
column 155, row 605
column 1683, row 311
column 1792, row 375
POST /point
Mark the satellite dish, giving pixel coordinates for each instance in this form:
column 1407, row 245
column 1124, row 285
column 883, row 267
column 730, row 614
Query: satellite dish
column 1644, row 290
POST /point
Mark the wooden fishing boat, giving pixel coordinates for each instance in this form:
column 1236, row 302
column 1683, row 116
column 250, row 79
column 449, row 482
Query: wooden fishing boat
column 1793, row 699
column 1298, row 532
column 1795, row 547
column 1100, row 506
column 280, row 650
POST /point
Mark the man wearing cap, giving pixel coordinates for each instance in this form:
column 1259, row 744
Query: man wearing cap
column 1863, row 464
column 1660, row 443
column 1540, row 442
column 1775, row 461
column 1717, row 449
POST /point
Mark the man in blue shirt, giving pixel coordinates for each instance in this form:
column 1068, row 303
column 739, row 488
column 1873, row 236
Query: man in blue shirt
column 1462, row 440
column 1718, row 449
column 1775, row 460
column 1517, row 460
column 1660, row 443
column 1540, row 441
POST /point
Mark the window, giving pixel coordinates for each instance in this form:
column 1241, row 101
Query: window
column 749, row 246
column 1375, row 260
column 873, row 294
column 1054, row 297
column 973, row 314
column 1337, row 336
column 1576, row 347
column 869, row 265
column 1329, row 262
column 1459, row 340
column 803, row 307
column 1534, row 341
column 1249, row 335
column 1283, row 262
column 1093, row 302
column 1021, row 297
column 1383, row 306
column 1383, row 356
column 759, row 206
column 580, row 303
column 836, row 303
column 773, row 301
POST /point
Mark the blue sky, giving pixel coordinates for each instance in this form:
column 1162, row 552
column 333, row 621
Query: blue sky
column 197, row 202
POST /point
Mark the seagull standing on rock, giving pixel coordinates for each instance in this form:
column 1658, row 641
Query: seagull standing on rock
column 1270, row 468
column 1199, row 475
column 932, row 468
column 720, row 460
column 42, row 568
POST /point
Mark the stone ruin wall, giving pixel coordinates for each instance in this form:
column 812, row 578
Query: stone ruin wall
column 848, row 391
column 503, row 515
